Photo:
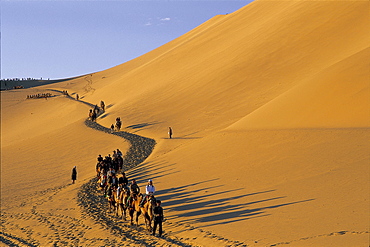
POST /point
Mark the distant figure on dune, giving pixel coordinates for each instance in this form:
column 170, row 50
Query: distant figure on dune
column 74, row 174
column 77, row 97
column 112, row 128
column 170, row 132
column 90, row 114
column 96, row 109
column 94, row 116
column 118, row 124
column 102, row 105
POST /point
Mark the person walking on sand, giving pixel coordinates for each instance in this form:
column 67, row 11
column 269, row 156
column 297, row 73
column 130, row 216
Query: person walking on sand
column 158, row 218
column 170, row 132
column 74, row 174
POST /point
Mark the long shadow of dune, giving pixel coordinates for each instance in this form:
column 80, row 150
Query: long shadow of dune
column 239, row 212
column 191, row 205
column 224, row 210
column 151, row 171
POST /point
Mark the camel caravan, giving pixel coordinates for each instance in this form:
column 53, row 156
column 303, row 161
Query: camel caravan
column 94, row 113
column 39, row 96
column 124, row 197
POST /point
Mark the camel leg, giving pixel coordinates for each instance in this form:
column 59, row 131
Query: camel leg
column 123, row 212
column 148, row 222
column 131, row 212
column 117, row 209
column 137, row 217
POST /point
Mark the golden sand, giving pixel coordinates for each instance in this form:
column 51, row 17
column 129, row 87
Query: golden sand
column 269, row 108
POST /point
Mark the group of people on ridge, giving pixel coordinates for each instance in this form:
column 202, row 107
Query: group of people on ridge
column 39, row 95
column 93, row 113
column 118, row 125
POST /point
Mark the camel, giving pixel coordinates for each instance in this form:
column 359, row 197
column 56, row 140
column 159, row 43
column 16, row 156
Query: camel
column 111, row 194
column 147, row 210
column 118, row 125
column 122, row 202
column 103, row 183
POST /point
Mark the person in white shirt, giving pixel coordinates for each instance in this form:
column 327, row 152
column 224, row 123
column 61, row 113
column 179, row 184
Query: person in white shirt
column 149, row 190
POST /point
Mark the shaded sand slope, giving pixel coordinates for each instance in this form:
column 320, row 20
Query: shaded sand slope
column 270, row 111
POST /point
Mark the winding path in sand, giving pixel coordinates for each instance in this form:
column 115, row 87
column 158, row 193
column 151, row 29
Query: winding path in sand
column 95, row 205
column 85, row 220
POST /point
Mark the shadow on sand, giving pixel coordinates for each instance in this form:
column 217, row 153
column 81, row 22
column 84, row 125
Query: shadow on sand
column 191, row 203
column 201, row 203
column 138, row 127
column 203, row 206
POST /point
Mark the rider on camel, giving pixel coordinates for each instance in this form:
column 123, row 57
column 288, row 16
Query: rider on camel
column 149, row 191
column 135, row 189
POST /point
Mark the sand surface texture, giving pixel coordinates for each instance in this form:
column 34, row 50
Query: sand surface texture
column 269, row 107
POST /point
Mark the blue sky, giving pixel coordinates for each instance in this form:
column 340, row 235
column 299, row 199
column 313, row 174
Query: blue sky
column 61, row 39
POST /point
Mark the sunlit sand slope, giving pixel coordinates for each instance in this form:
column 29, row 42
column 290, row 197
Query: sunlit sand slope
column 337, row 97
column 270, row 111
column 232, row 65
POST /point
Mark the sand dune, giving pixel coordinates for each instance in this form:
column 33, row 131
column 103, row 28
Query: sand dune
column 330, row 99
column 270, row 111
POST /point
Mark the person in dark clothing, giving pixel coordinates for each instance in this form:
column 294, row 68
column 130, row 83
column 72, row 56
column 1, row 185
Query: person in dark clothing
column 100, row 158
column 96, row 109
column 91, row 114
column 170, row 132
column 120, row 163
column 109, row 161
column 158, row 218
column 123, row 180
column 94, row 116
column 74, row 174
column 114, row 181
column 134, row 188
